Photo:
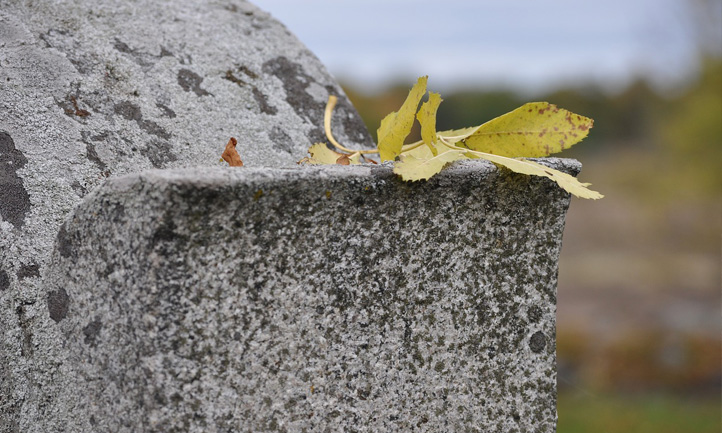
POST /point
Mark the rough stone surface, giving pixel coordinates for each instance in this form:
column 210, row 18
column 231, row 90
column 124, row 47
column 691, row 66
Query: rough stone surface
column 318, row 299
column 91, row 89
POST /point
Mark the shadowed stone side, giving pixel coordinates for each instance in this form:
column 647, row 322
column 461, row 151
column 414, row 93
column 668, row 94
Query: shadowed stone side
column 308, row 299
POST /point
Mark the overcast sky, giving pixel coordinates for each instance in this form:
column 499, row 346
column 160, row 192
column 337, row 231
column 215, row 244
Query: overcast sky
column 529, row 45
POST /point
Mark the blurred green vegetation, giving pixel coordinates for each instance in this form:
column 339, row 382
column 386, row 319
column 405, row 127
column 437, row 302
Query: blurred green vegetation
column 639, row 361
column 615, row 413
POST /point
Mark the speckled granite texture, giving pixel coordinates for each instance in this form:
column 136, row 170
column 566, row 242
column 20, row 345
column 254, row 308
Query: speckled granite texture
column 317, row 299
column 246, row 300
column 91, row 89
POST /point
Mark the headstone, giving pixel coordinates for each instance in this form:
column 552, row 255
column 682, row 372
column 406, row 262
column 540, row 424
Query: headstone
column 200, row 298
column 92, row 89
column 308, row 299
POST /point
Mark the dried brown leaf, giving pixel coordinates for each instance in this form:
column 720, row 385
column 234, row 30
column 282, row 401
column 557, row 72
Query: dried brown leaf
column 230, row 154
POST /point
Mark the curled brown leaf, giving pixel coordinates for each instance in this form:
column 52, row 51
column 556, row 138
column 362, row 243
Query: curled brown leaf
column 230, row 154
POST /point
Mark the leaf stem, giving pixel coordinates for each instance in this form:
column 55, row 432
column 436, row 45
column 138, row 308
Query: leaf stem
column 412, row 146
column 450, row 145
column 332, row 101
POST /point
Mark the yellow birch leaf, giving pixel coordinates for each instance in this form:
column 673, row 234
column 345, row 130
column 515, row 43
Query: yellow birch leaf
column 420, row 152
column 396, row 126
column 427, row 120
column 568, row 182
column 413, row 168
column 321, row 154
column 535, row 129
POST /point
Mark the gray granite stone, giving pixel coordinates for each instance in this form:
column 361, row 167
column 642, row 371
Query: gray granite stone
column 91, row 89
column 316, row 299
column 256, row 299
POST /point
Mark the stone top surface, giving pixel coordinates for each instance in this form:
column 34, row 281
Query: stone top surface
column 481, row 170
column 305, row 299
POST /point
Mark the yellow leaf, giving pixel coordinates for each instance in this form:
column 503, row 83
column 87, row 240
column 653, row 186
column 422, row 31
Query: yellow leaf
column 420, row 152
column 535, row 129
column 568, row 182
column 427, row 119
column 413, row 168
column 396, row 126
column 321, row 154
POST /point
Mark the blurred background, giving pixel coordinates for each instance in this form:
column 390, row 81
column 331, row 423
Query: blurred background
column 640, row 292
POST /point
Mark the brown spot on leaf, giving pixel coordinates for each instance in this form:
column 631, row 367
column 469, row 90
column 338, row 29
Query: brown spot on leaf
column 343, row 160
column 230, row 154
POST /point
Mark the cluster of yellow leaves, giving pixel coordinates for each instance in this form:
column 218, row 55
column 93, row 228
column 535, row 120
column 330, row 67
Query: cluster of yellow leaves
column 536, row 129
